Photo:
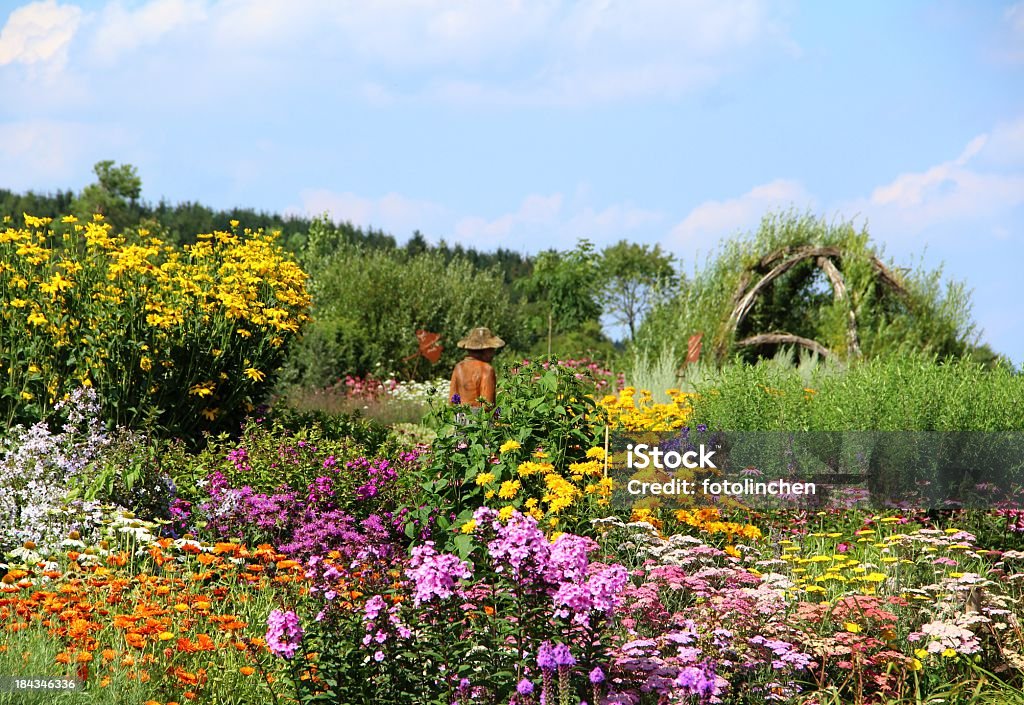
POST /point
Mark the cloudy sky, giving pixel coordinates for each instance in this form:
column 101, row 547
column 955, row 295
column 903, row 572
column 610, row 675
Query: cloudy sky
column 528, row 124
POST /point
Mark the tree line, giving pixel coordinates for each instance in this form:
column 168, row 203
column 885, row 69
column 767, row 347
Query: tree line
column 371, row 294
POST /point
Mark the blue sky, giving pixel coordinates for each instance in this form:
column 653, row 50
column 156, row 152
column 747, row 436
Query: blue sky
column 529, row 124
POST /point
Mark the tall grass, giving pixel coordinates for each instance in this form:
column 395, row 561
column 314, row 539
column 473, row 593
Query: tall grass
column 884, row 394
column 654, row 370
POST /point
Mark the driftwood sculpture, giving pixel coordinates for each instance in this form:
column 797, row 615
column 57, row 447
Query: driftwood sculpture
column 756, row 280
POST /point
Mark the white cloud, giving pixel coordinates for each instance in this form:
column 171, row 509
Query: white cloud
column 711, row 220
column 984, row 182
column 537, row 214
column 601, row 51
column 392, row 213
column 548, row 221
column 123, row 30
column 500, row 52
column 1009, row 46
column 1004, row 145
column 1014, row 17
column 540, row 221
column 389, row 33
column 616, row 222
column 40, row 153
column 39, row 34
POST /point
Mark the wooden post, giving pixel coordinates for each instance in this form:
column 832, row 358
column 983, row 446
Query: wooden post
column 550, row 323
column 606, row 452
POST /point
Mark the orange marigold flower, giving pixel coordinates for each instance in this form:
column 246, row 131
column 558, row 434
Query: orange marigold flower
column 79, row 628
column 246, row 670
column 185, row 676
column 135, row 640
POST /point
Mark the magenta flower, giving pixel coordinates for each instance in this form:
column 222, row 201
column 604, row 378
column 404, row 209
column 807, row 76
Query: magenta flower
column 435, row 574
column 284, row 633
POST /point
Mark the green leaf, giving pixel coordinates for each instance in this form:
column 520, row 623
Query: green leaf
column 463, row 545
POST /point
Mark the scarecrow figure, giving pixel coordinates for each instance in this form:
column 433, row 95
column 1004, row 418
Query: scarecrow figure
column 473, row 379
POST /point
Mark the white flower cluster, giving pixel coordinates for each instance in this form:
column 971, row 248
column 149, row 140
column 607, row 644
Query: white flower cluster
column 36, row 466
column 435, row 390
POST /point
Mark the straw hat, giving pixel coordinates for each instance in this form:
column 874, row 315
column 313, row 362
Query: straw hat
column 481, row 339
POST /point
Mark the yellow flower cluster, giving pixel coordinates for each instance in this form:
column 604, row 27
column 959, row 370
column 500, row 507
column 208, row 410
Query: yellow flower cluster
column 869, row 560
column 709, row 520
column 831, row 574
column 633, row 411
column 539, row 490
column 152, row 326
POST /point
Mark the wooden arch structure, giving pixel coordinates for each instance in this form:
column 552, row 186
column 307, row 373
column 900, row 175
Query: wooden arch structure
column 756, row 280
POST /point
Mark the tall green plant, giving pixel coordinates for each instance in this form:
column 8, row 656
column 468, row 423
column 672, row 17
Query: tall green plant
column 540, row 407
column 926, row 313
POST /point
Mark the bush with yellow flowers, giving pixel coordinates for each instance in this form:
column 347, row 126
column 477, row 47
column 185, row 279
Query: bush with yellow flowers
column 533, row 451
column 633, row 411
column 182, row 338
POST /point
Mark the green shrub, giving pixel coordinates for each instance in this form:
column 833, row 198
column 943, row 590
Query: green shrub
column 368, row 305
column 541, row 407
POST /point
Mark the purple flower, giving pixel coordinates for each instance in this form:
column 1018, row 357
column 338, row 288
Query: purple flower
column 569, row 556
column 562, row 656
column 698, row 680
column 320, row 489
column 522, row 547
column 546, row 657
column 456, row 399
column 597, row 675
column 525, row 687
column 284, row 634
